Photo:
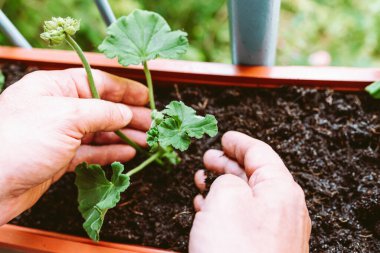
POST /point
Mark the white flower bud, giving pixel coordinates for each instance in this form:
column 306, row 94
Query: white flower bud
column 56, row 29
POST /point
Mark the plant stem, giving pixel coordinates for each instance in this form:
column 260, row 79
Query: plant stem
column 124, row 138
column 86, row 65
column 148, row 77
column 94, row 91
column 144, row 164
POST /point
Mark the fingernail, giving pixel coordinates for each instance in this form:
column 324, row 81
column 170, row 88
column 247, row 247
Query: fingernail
column 200, row 180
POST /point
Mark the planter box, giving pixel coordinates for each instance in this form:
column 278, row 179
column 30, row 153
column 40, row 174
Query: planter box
column 187, row 72
column 35, row 240
column 168, row 72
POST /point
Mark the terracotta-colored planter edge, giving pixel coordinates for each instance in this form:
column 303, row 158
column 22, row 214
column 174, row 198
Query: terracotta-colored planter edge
column 176, row 71
column 35, row 240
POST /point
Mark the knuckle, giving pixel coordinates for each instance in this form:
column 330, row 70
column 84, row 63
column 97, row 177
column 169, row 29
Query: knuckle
column 144, row 96
column 228, row 136
column 118, row 114
column 111, row 114
column 285, row 195
column 268, row 150
column 220, row 182
column 290, row 193
column 265, row 146
column 75, row 71
column 227, row 181
column 35, row 74
column 97, row 72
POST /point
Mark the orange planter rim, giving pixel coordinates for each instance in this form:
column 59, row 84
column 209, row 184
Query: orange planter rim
column 177, row 71
column 36, row 240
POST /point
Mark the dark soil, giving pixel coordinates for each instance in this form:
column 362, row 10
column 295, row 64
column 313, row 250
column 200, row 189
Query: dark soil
column 329, row 140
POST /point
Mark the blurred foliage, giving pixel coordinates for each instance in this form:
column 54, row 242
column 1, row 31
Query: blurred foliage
column 346, row 29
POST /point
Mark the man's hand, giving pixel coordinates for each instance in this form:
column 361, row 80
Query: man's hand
column 47, row 123
column 255, row 207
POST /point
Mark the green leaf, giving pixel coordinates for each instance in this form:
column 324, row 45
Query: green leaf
column 178, row 125
column 374, row 89
column 96, row 194
column 172, row 134
column 179, row 109
column 2, row 81
column 152, row 138
column 142, row 36
column 171, row 157
column 157, row 117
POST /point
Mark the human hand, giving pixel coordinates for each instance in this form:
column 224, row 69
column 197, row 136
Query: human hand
column 256, row 206
column 48, row 123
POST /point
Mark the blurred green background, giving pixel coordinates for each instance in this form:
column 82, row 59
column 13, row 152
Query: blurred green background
column 335, row 32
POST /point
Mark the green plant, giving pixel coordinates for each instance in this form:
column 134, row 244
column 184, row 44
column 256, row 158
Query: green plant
column 134, row 39
column 58, row 30
column 2, row 81
column 374, row 89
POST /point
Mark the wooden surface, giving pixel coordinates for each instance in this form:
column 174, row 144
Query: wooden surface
column 175, row 71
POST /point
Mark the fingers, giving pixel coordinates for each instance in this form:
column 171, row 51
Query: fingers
column 103, row 138
column 102, row 155
column 141, row 119
column 95, row 115
column 258, row 158
column 216, row 161
column 198, row 202
column 236, row 146
column 117, row 89
column 74, row 83
column 200, row 180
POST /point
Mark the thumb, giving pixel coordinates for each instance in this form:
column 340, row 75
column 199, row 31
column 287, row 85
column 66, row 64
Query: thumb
column 95, row 115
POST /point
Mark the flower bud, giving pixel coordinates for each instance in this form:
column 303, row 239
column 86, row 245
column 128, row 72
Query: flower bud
column 56, row 29
column 71, row 26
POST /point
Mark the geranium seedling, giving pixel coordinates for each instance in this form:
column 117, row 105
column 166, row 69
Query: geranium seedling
column 133, row 39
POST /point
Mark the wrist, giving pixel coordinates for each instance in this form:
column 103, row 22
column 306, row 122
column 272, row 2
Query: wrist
column 7, row 210
column 14, row 203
